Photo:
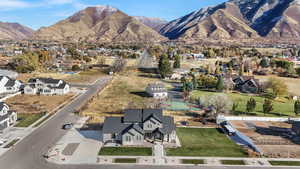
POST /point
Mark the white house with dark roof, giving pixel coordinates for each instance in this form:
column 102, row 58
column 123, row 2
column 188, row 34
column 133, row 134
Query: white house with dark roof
column 157, row 90
column 8, row 85
column 138, row 126
column 46, row 86
column 7, row 118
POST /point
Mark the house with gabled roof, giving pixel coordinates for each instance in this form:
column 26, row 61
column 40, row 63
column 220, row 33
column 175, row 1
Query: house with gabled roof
column 7, row 117
column 138, row 126
column 8, row 85
column 247, row 84
column 46, row 86
column 157, row 90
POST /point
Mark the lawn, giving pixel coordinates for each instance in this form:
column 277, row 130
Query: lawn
column 285, row 163
column 233, row 162
column 125, row 160
column 11, row 143
column 125, row 151
column 25, row 120
column 192, row 161
column 205, row 143
column 284, row 107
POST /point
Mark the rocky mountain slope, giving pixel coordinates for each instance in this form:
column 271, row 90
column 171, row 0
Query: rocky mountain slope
column 239, row 19
column 14, row 31
column 154, row 23
column 100, row 23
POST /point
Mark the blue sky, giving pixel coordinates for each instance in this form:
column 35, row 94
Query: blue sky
column 37, row 13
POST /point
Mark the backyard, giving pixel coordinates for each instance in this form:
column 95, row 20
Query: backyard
column 282, row 107
column 208, row 142
column 126, row 91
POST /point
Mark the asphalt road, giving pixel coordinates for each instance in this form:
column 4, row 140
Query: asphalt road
column 28, row 153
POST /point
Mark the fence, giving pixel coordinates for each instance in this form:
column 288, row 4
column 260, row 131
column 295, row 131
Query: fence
column 271, row 119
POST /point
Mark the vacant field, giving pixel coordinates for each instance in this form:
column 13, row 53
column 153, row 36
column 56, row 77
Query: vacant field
column 283, row 107
column 292, row 83
column 83, row 77
column 33, row 104
column 125, row 151
column 205, row 142
column 126, row 91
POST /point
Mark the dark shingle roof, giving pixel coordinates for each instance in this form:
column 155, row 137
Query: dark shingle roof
column 10, row 83
column 45, row 80
column 114, row 125
column 133, row 116
column 155, row 113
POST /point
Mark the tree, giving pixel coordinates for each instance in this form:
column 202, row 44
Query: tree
column 278, row 87
column 220, row 84
column 221, row 102
column 264, row 63
column 164, row 66
column 75, row 68
column 267, row 106
column 177, row 62
column 298, row 71
column 297, row 107
column 251, row 105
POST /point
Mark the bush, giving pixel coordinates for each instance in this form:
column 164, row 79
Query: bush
column 75, row 68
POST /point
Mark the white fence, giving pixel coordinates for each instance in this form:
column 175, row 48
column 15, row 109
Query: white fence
column 247, row 118
column 9, row 96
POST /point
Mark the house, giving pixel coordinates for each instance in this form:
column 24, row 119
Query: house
column 46, row 86
column 157, row 90
column 7, row 118
column 8, row 85
column 178, row 74
column 138, row 126
column 247, row 84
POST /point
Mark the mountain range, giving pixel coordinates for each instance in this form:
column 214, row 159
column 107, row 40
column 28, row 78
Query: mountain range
column 14, row 31
column 239, row 19
column 234, row 19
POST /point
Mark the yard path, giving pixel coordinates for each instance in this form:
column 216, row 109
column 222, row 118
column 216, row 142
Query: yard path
column 159, row 153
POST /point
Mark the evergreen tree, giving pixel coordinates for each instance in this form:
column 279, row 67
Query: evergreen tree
column 164, row 66
column 177, row 63
column 251, row 105
column 264, row 63
column 297, row 107
column 220, row 84
column 267, row 106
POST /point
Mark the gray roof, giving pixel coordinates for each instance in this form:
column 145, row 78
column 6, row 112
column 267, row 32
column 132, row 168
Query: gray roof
column 45, row 80
column 155, row 113
column 114, row 125
column 10, row 83
column 133, row 116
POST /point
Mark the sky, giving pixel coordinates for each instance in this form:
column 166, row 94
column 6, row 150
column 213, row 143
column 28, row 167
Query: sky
column 38, row 13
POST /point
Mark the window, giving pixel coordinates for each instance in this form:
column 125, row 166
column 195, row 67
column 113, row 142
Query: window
column 128, row 139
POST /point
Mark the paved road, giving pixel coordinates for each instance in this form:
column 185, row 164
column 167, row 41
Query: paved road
column 28, row 153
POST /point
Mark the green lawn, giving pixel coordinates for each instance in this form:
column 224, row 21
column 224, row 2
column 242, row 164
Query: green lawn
column 285, row 163
column 233, row 162
column 125, row 160
column 42, row 121
column 192, row 161
column 125, row 151
column 205, row 142
column 11, row 143
column 284, row 107
column 25, row 120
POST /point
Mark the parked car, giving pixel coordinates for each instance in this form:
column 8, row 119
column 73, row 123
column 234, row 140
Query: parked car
column 67, row 126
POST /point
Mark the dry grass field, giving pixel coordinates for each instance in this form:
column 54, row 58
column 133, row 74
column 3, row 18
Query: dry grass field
column 126, row 91
column 292, row 83
column 28, row 104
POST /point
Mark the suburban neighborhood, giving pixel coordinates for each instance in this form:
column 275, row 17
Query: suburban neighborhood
column 100, row 87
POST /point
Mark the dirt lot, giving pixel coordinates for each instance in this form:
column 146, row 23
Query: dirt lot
column 126, row 91
column 36, row 104
column 270, row 137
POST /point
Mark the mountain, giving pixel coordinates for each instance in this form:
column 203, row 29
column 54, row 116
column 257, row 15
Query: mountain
column 14, row 31
column 100, row 23
column 154, row 23
column 239, row 19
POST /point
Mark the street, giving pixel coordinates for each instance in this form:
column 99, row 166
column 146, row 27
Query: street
column 28, row 154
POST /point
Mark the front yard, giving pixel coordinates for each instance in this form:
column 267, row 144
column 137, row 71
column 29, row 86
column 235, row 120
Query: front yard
column 205, row 143
column 25, row 120
column 283, row 107
column 125, row 151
